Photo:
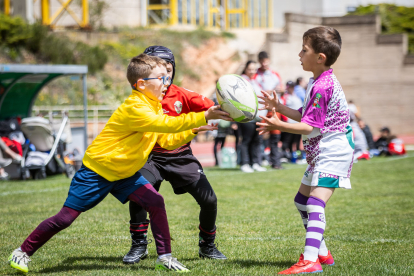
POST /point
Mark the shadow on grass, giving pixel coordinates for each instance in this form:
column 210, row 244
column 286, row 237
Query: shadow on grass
column 103, row 263
column 253, row 263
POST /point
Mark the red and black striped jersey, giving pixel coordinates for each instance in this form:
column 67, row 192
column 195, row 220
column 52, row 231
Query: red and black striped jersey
column 178, row 100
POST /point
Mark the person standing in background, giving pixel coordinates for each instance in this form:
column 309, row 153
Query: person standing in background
column 251, row 141
column 268, row 79
column 300, row 89
column 293, row 102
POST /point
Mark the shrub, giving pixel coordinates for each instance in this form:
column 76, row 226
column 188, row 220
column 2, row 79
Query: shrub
column 394, row 19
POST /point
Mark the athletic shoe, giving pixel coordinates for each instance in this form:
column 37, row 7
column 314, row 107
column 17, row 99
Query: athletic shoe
column 327, row 260
column 170, row 263
column 246, row 168
column 303, row 266
column 137, row 252
column 258, row 168
column 278, row 167
column 265, row 163
column 19, row 260
column 211, row 252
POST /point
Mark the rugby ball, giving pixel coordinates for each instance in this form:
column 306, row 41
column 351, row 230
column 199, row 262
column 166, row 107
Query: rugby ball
column 237, row 97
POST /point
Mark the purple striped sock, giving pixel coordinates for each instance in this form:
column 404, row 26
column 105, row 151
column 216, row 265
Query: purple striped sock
column 301, row 201
column 315, row 229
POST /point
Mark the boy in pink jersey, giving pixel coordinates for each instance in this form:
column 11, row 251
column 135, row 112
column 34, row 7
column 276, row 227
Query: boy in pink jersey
column 327, row 139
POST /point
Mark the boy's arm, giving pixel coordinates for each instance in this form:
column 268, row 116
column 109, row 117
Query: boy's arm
column 271, row 102
column 274, row 123
column 143, row 119
column 172, row 141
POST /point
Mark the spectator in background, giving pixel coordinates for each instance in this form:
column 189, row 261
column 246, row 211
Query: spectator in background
column 353, row 110
column 268, row 79
column 300, row 89
column 382, row 142
column 368, row 135
column 294, row 102
column 251, row 140
column 360, row 142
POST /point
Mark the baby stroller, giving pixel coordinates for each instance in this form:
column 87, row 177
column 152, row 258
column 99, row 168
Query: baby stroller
column 48, row 158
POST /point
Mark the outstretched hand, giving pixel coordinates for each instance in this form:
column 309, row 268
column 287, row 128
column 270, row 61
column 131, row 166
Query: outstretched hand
column 205, row 128
column 269, row 101
column 272, row 123
column 215, row 112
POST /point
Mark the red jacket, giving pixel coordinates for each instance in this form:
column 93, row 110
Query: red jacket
column 178, row 100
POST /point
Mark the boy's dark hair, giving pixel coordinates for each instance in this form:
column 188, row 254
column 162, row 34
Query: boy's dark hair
column 140, row 67
column 263, row 55
column 298, row 80
column 325, row 40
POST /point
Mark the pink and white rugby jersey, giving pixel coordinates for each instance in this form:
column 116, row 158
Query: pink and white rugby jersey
column 329, row 147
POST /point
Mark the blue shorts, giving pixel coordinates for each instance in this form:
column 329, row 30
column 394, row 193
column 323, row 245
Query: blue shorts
column 89, row 188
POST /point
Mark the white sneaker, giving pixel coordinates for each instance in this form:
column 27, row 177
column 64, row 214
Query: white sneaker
column 170, row 263
column 19, row 260
column 246, row 168
column 258, row 168
column 265, row 163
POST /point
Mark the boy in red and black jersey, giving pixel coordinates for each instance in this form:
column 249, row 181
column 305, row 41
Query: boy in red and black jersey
column 180, row 168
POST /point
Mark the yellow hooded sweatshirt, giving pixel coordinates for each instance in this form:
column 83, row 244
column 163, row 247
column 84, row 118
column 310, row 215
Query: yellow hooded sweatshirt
column 123, row 146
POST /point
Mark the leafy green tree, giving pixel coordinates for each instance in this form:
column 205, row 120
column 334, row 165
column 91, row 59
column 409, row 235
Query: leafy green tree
column 394, row 19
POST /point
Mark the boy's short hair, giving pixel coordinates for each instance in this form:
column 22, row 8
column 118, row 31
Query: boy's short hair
column 325, row 40
column 263, row 55
column 141, row 66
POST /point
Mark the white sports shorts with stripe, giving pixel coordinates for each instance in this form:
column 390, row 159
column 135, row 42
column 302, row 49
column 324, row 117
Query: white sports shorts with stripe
column 320, row 179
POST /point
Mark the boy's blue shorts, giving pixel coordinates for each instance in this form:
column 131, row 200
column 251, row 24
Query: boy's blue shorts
column 89, row 188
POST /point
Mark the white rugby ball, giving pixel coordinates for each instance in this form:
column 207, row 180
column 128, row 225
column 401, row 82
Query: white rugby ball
column 237, row 97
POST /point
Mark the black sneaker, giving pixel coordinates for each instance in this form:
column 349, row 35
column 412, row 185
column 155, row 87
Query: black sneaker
column 211, row 252
column 137, row 252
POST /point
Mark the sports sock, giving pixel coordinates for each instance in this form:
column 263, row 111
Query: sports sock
column 164, row 255
column 301, row 202
column 206, row 238
column 48, row 228
column 315, row 228
column 153, row 203
column 139, row 228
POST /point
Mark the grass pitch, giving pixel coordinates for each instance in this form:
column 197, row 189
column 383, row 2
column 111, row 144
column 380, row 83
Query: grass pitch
column 369, row 228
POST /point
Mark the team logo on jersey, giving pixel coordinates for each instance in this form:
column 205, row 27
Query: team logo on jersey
column 178, row 107
column 316, row 101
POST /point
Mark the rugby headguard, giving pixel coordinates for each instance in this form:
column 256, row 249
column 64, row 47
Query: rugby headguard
column 164, row 53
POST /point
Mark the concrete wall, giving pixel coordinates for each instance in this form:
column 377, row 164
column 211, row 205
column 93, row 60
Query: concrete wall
column 373, row 69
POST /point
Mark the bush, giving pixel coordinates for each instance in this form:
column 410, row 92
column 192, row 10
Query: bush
column 394, row 19
column 15, row 34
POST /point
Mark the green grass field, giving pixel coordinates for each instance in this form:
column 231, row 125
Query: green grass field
column 369, row 228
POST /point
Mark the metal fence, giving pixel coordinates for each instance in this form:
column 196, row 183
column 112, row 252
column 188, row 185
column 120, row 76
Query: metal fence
column 98, row 115
column 224, row 14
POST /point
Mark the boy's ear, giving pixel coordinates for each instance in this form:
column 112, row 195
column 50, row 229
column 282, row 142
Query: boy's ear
column 140, row 85
column 321, row 58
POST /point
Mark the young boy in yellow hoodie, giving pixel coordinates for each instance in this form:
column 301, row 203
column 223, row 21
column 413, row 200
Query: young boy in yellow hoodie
column 112, row 161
